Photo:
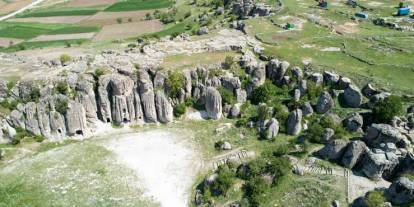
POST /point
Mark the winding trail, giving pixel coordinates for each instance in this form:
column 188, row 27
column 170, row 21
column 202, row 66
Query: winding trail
column 21, row 10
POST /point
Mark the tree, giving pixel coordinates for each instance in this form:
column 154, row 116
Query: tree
column 263, row 93
column 374, row 199
column 179, row 110
column 64, row 58
column 385, row 110
column 224, row 181
column 255, row 191
column 175, row 82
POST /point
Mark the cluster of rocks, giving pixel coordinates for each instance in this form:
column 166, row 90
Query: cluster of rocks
column 249, row 8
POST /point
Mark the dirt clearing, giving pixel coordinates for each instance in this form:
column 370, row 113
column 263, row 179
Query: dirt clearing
column 63, row 37
column 347, row 28
column 5, row 42
column 108, row 18
column 165, row 163
column 13, row 6
column 59, row 19
column 127, row 30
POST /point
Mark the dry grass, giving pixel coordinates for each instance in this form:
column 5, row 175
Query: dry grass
column 57, row 20
column 108, row 18
column 5, row 42
column 63, row 37
column 184, row 61
column 127, row 30
column 13, row 6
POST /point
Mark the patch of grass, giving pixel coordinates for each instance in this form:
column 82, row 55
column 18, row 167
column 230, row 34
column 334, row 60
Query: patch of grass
column 65, row 12
column 175, row 29
column 134, row 5
column 43, row 44
column 183, row 61
column 22, row 32
column 74, row 30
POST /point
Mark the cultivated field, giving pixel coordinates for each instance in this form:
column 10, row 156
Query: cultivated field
column 53, row 20
column 108, row 18
column 127, row 30
column 89, row 3
column 62, row 37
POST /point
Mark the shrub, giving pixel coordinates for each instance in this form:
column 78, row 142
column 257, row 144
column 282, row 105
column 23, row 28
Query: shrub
column 119, row 20
column 39, row 138
column 62, row 88
column 175, row 82
column 263, row 112
column 313, row 91
column 99, row 72
column 34, row 95
column 61, row 106
column 224, row 181
column 263, row 93
column 179, row 110
column 226, row 95
column 375, row 199
column 218, row 144
column 255, row 191
column 228, row 62
column 64, row 58
column 385, row 110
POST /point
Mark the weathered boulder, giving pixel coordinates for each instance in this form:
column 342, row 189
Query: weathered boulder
column 297, row 73
column 327, row 135
column 307, row 109
column 146, row 92
column 261, row 10
column 203, row 30
column 32, row 125
column 352, row 96
column 354, row 122
column 75, row 119
column 330, row 78
column 243, row 8
column 213, row 103
column 235, row 111
column 303, row 87
column 369, row 90
column 344, row 82
column 164, row 108
column 384, row 133
column 333, row 150
column 317, row 78
column 296, row 95
column 275, row 70
column 86, row 96
column 3, row 90
column 272, row 128
column 401, row 191
column 226, row 146
column 325, row 103
column 17, row 119
column 353, row 153
column 294, row 122
column 231, row 83
column 376, row 98
column 241, row 95
column 376, row 163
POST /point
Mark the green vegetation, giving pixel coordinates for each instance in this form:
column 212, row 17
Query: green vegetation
column 22, row 32
column 133, row 5
column 374, row 199
column 74, row 30
column 385, row 110
column 179, row 110
column 227, row 96
column 59, row 12
column 264, row 93
column 64, row 58
column 43, row 44
column 174, row 82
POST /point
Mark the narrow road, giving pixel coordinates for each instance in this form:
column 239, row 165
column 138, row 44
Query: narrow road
column 21, row 10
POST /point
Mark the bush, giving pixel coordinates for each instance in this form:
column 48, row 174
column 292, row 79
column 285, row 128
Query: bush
column 224, row 181
column 65, row 58
column 263, row 93
column 228, row 62
column 119, row 20
column 375, row 199
column 313, row 91
column 255, row 191
column 179, row 110
column 226, row 95
column 385, row 110
column 39, row 138
column 61, row 106
column 34, row 95
column 175, row 82
column 263, row 112
column 62, row 88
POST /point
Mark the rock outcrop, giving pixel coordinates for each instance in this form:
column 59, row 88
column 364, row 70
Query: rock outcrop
column 213, row 103
column 352, row 96
column 294, row 122
column 353, row 153
column 333, row 150
column 164, row 108
column 401, row 191
column 325, row 103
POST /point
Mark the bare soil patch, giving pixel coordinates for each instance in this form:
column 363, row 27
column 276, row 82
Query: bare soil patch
column 58, row 19
column 5, row 42
column 165, row 162
column 86, row 3
column 109, row 18
column 347, row 28
column 13, row 6
column 63, row 37
column 127, row 30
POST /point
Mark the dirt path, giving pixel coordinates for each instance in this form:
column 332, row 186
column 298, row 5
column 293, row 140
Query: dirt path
column 21, row 10
column 165, row 162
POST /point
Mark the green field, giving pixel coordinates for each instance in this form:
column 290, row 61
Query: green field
column 74, row 30
column 59, row 12
column 44, row 44
column 133, row 5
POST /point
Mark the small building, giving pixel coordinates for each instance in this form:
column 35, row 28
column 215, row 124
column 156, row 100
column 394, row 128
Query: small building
column 289, row 26
column 403, row 11
column 362, row 15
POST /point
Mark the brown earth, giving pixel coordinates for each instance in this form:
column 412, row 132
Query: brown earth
column 109, row 18
column 127, row 30
column 347, row 28
column 5, row 42
column 63, row 37
column 86, row 3
column 13, row 6
column 58, row 19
